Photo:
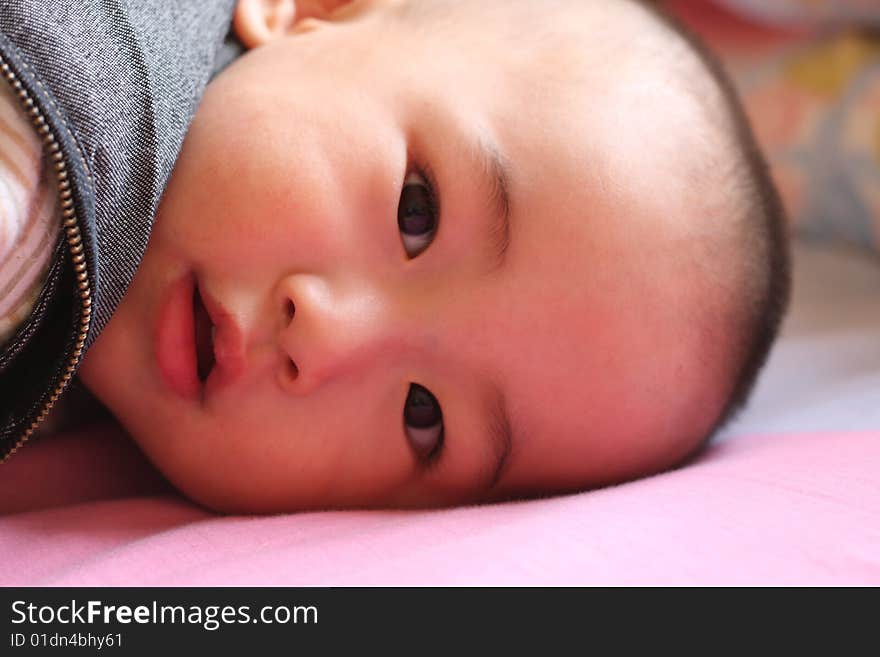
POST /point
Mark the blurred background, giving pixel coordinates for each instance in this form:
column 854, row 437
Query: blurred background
column 809, row 74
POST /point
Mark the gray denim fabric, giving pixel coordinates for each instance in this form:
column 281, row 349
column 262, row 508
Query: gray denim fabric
column 119, row 82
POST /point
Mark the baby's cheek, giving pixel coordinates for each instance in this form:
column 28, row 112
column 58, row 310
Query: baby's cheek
column 205, row 469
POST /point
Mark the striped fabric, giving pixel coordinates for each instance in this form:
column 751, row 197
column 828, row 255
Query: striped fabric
column 28, row 210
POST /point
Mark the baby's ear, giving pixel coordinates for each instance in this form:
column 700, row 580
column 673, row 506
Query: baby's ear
column 257, row 22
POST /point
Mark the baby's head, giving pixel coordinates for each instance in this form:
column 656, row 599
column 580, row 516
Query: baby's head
column 453, row 252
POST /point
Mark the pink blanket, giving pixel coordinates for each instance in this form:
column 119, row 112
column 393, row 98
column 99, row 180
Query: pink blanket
column 87, row 510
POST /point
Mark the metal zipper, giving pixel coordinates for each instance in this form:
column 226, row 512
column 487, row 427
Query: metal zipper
column 70, row 224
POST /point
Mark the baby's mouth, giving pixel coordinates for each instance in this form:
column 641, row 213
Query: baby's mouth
column 204, row 336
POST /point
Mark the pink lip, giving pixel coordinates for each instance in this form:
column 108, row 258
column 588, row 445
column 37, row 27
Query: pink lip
column 174, row 340
column 228, row 346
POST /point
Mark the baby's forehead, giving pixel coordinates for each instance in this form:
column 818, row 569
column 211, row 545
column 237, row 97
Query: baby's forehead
column 603, row 364
column 604, row 53
column 623, row 27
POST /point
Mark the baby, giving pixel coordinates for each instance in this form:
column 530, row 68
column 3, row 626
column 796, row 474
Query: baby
column 421, row 253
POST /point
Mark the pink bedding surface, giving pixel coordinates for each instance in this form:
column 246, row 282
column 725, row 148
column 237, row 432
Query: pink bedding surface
column 85, row 509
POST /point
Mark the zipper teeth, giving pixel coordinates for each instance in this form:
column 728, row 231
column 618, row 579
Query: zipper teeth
column 70, row 225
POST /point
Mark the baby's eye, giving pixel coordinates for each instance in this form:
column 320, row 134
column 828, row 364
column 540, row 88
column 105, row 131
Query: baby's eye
column 423, row 421
column 416, row 215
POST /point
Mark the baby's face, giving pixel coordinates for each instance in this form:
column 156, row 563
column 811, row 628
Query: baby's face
column 370, row 211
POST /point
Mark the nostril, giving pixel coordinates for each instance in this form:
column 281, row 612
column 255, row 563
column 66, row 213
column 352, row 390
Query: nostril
column 290, row 309
column 292, row 370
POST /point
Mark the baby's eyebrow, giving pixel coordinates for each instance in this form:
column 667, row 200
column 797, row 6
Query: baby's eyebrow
column 500, row 437
column 496, row 181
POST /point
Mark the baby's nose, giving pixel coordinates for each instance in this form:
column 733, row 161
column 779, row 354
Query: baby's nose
column 331, row 329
